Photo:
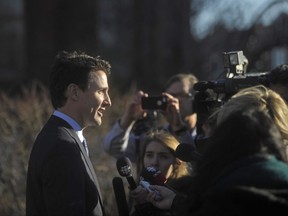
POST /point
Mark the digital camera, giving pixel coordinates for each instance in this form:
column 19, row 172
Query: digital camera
column 154, row 103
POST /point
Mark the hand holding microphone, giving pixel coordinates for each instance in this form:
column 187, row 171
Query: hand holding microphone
column 146, row 185
column 163, row 195
column 124, row 168
column 167, row 197
column 152, row 176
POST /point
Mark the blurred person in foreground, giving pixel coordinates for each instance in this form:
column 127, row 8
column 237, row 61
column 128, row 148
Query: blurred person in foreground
column 278, row 78
column 158, row 155
column 244, row 169
column 61, row 179
column 122, row 140
column 263, row 99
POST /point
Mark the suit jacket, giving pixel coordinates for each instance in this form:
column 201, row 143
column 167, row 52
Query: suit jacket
column 61, row 179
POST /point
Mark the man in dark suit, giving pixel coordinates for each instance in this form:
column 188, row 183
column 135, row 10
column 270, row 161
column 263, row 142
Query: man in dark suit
column 61, row 179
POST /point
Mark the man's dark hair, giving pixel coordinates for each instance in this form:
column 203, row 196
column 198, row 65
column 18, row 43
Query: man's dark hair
column 74, row 67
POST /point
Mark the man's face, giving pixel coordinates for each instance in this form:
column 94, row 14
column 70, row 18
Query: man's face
column 180, row 90
column 95, row 99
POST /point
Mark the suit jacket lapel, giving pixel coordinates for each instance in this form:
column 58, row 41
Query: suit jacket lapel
column 86, row 158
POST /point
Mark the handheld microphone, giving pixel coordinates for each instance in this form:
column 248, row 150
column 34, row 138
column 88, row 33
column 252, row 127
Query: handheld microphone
column 153, row 176
column 120, row 196
column 124, row 168
column 187, row 152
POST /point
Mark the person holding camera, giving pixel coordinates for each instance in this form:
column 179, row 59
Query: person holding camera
column 121, row 140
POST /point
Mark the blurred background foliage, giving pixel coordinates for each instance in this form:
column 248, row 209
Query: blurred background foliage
column 145, row 41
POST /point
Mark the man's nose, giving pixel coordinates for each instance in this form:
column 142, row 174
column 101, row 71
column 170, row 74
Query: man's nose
column 107, row 100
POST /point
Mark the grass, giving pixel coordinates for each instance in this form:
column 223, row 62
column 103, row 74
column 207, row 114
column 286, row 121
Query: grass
column 21, row 118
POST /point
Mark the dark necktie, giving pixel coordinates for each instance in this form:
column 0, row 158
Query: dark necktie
column 85, row 146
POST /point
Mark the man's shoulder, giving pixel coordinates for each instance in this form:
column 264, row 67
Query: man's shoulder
column 55, row 130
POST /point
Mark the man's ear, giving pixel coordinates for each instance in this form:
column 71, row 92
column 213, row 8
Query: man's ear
column 72, row 91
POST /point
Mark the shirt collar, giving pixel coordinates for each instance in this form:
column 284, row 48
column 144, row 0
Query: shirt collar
column 71, row 122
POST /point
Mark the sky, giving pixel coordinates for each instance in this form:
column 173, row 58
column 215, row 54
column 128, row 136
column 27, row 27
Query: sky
column 233, row 14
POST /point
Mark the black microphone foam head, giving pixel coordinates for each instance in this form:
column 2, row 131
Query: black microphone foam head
column 187, row 152
column 124, row 166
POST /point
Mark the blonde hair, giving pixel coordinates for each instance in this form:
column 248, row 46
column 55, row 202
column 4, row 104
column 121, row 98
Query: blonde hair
column 180, row 168
column 261, row 98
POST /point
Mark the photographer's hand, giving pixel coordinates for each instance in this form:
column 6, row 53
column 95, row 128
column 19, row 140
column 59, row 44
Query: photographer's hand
column 133, row 111
column 172, row 113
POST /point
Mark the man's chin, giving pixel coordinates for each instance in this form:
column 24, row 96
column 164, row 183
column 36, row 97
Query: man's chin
column 98, row 122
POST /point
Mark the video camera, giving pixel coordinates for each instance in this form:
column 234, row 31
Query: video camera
column 235, row 64
column 210, row 95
